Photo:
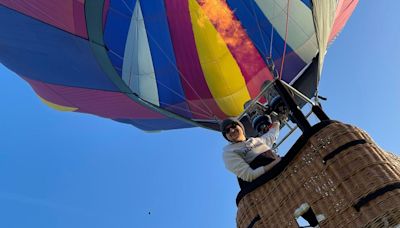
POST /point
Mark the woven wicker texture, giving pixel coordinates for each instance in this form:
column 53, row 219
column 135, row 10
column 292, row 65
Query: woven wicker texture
column 333, row 188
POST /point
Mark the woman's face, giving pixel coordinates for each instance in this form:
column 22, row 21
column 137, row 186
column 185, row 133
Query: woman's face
column 235, row 134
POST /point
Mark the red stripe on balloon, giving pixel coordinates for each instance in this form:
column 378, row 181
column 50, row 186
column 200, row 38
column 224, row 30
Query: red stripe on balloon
column 343, row 13
column 200, row 99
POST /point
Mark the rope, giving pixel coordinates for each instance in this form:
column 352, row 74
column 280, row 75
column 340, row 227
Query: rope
column 286, row 33
column 208, row 111
column 127, row 6
column 272, row 35
column 259, row 29
column 269, row 59
column 272, row 40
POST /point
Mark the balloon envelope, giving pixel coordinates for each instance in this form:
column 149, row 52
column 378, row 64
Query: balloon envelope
column 159, row 64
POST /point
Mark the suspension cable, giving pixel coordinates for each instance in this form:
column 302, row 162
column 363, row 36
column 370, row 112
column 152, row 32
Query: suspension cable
column 259, row 27
column 208, row 111
column 268, row 59
column 286, row 34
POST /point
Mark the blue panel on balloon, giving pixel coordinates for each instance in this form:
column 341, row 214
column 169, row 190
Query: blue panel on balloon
column 116, row 31
column 308, row 3
column 259, row 29
column 42, row 52
column 169, row 85
column 123, row 6
column 156, row 124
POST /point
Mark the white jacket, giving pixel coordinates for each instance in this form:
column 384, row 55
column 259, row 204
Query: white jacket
column 238, row 156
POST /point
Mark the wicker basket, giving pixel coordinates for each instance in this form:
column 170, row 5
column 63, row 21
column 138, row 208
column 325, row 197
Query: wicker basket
column 339, row 172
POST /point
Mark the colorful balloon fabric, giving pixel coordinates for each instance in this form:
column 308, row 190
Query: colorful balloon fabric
column 159, row 64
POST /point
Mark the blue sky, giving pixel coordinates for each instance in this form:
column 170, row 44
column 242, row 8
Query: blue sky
column 63, row 170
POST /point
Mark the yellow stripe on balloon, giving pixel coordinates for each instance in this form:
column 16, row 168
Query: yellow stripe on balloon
column 57, row 107
column 221, row 71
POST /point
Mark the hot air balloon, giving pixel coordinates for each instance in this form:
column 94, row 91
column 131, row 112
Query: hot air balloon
column 170, row 64
column 165, row 64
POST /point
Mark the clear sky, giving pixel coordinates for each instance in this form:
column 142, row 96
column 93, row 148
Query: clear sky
column 64, row 170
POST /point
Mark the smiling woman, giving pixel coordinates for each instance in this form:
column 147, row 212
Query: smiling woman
column 248, row 158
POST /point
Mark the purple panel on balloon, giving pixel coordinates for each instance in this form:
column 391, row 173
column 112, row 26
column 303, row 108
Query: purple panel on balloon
column 107, row 104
